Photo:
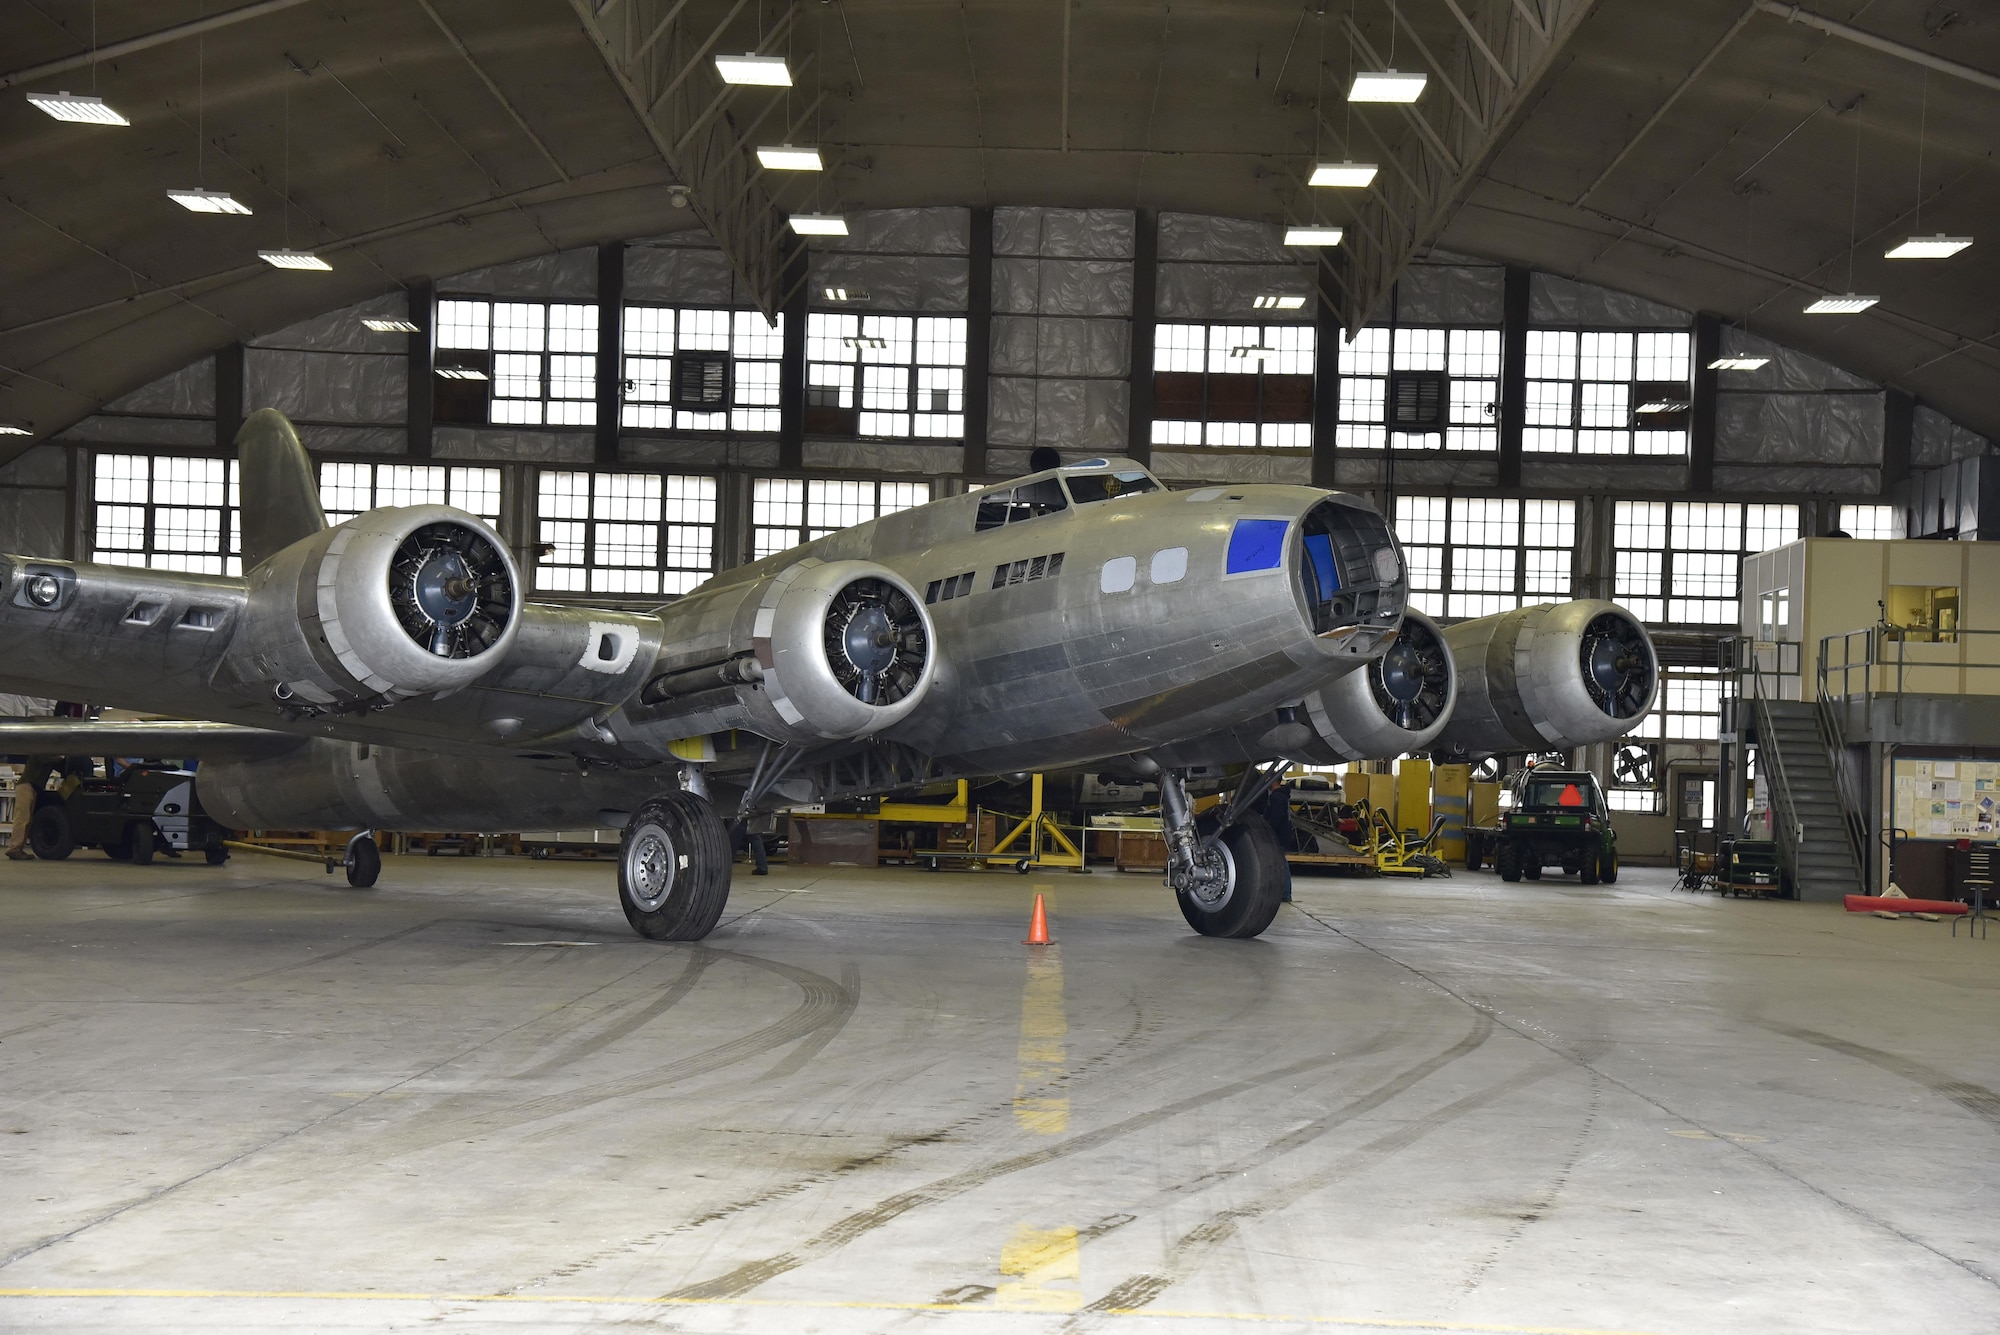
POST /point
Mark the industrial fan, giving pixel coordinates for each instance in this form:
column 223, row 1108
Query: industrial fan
column 451, row 590
column 1618, row 666
column 1634, row 766
column 875, row 642
column 1412, row 681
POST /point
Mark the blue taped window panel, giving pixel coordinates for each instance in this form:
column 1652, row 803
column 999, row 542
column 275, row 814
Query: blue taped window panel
column 1319, row 551
column 1256, row 544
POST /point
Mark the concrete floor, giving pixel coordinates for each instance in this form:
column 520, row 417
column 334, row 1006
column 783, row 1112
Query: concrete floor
column 469, row 1099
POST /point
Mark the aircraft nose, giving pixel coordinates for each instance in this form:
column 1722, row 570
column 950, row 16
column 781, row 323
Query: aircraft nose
column 1349, row 573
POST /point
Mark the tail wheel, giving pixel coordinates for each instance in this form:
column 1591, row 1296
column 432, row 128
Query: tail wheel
column 364, row 863
column 673, row 869
column 1507, row 861
column 1258, row 879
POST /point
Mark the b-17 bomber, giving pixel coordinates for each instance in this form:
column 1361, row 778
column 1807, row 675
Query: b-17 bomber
column 390, row 673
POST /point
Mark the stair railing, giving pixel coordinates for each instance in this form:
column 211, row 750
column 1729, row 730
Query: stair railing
column 1787, row 830
column 1853, row 809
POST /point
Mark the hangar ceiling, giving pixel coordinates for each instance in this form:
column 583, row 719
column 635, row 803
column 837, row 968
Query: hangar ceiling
column 1702, row 154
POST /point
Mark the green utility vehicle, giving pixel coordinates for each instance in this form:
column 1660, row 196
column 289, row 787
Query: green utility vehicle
column 1548, row 818
column 145, row 809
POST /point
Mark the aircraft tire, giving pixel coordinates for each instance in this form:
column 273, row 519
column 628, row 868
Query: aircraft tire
column 674, row 868
column 364, row 864
column 50, row 833
column 1507, row 861
column 1262, row 876
column 140, row 834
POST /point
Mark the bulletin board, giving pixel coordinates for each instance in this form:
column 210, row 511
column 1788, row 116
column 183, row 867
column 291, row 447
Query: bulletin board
column 1948, row 799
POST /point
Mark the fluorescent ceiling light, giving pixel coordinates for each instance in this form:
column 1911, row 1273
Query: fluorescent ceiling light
column 292, row 259
column 846, row 293
column 392, row 326
column 819, row 224
column 1314, row 236
column 460, row 373
column 78, row 107
column 1939, row 247
column 11, row 429
column 787, row 158
column 766, row 71
column 864, row 341
column 1278, row 301
column 1347, row 175
column 1387, row 86
column 1664, row 406
column 1846, row 305
column 1253, row 351
column 1739, row 363
column 208, row 201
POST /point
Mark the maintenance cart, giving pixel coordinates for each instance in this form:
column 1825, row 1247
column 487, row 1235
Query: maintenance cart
column 1548, row 818
column 142, row 810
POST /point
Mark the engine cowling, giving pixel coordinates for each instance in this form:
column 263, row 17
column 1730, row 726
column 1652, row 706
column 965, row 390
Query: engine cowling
column 1396, row 704
column 817, row 651
column 1550, row 677
column 399, row 602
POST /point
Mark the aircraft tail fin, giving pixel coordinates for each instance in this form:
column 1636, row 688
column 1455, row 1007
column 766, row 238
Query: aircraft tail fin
column 280, row 497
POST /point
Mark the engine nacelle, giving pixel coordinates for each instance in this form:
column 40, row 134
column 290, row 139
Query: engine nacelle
column 817, row 651
column 398, row 602
column 1548, row 678
column 1396, row 704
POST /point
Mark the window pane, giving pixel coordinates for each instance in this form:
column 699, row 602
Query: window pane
column 519, row 326
column 463, row 324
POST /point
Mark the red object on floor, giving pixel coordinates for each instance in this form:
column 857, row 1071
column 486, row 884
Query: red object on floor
column 1870, row 903
column 1038, row 925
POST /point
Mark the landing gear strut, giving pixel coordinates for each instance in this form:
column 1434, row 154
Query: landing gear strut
column 1229, row 875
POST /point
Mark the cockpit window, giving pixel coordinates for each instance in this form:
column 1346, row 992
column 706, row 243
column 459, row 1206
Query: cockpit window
column 1030, row 500
column 1087, row 487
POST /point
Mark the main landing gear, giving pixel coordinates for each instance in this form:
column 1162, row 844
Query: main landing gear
column 673, row 868
column 1227, row 868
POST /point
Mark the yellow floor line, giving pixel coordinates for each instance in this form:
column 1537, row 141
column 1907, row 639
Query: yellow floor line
column 806, row 1304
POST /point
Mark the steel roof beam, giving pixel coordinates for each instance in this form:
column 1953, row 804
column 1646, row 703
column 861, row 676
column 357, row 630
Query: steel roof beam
column 146, row 42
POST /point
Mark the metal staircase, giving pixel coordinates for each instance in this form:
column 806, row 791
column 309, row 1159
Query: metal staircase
column 1810, row 820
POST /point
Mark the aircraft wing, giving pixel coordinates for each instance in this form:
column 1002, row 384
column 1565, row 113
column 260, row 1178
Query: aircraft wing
column 172, row 738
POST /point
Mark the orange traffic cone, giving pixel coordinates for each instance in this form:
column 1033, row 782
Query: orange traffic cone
column 1038, row 926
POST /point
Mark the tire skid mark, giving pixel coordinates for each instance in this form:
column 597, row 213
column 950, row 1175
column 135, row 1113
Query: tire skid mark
column 816, row 1041
column 1764, row 1159
column 745, row 1277
column 697, row 964
column 1192, row 1248
column 1978, row 1100
column 1546, row 1201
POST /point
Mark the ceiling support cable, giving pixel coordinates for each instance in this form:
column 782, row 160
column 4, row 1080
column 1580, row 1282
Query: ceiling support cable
column 1410, row 113
column 1701, row 67
column 146, row 42
column 1875, row 42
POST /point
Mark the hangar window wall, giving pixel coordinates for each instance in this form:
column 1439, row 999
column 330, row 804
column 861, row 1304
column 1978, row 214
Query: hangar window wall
column 1472, row 556
column 1680, row 562
column 1420, row 388
column 1689, row 707
column 785, row 512
column 624, row 533
column 699, row 369
column 1590, row 392
column 518, row 363
column 165, row 512
column 349, row 489
column 885, row 375
column 1233, row 385
column 1871, row 521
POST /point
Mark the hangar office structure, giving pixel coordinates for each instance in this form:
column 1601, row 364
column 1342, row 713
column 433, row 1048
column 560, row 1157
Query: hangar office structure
column 1606, row 370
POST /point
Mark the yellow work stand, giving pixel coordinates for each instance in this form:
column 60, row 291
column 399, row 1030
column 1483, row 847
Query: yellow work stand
column 1043, row 836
